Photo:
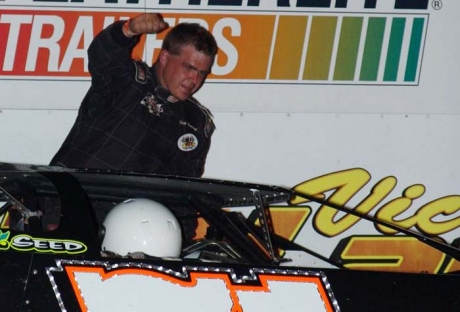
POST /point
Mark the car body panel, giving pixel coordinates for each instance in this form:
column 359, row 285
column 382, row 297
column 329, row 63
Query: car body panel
column 65, row 269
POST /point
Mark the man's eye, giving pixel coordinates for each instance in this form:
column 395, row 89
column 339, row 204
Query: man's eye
column 203, row 73
column 188, row 67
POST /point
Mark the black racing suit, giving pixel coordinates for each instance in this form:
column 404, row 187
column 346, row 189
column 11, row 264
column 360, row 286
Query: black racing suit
column 128, row 122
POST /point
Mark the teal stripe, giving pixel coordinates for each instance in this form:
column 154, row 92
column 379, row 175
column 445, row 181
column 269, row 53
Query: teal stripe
column 394, row 49
column 372, row 49
column 414, row 49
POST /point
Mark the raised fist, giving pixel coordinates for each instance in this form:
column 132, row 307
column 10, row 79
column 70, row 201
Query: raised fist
column 148, row 23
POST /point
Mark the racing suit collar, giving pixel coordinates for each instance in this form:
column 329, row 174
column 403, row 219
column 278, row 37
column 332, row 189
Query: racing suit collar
column 161, row 92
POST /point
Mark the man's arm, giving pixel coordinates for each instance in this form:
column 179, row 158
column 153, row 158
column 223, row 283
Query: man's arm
column 110, row 52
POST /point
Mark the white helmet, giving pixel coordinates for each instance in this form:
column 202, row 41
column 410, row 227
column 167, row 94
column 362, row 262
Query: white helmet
column 142, row 225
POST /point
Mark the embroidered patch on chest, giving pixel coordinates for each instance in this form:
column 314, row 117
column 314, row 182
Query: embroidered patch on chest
column 152, row 104
column 188, row 142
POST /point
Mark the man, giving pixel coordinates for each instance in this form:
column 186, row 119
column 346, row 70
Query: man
column 137, row 118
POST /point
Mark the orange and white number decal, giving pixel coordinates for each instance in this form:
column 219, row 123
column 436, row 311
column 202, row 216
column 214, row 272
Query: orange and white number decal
column 134, row 289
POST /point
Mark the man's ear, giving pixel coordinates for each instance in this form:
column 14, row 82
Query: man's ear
column 164, row 55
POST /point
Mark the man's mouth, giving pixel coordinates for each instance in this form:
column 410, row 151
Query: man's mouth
column 187, row 89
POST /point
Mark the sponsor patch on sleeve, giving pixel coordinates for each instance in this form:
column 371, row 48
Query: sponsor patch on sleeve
column 209, row 128
column 141, row 75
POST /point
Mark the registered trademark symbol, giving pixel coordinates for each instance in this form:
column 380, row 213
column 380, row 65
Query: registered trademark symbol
column 436, row 4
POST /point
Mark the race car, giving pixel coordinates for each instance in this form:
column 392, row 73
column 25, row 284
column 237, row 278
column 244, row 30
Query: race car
column 88, row 240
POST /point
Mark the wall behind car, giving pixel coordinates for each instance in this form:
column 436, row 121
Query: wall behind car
column 302, row 91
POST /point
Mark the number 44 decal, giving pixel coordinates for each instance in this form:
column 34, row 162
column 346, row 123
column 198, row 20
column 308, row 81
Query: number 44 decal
column 99, row 288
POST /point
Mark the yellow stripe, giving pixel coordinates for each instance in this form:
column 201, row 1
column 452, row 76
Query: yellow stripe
column 287, row 53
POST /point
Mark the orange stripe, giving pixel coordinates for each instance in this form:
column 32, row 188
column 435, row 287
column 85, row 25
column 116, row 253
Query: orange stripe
column 248, row 49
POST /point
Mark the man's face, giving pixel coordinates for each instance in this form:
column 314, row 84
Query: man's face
column 184, row 74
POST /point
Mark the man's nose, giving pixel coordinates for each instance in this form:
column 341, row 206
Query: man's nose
column 194, row 76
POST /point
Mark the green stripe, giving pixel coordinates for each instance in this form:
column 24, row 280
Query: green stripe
column 372, row 49
column 347, row 52
column 414, row 49
column 320, row 46
column 394, row 49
